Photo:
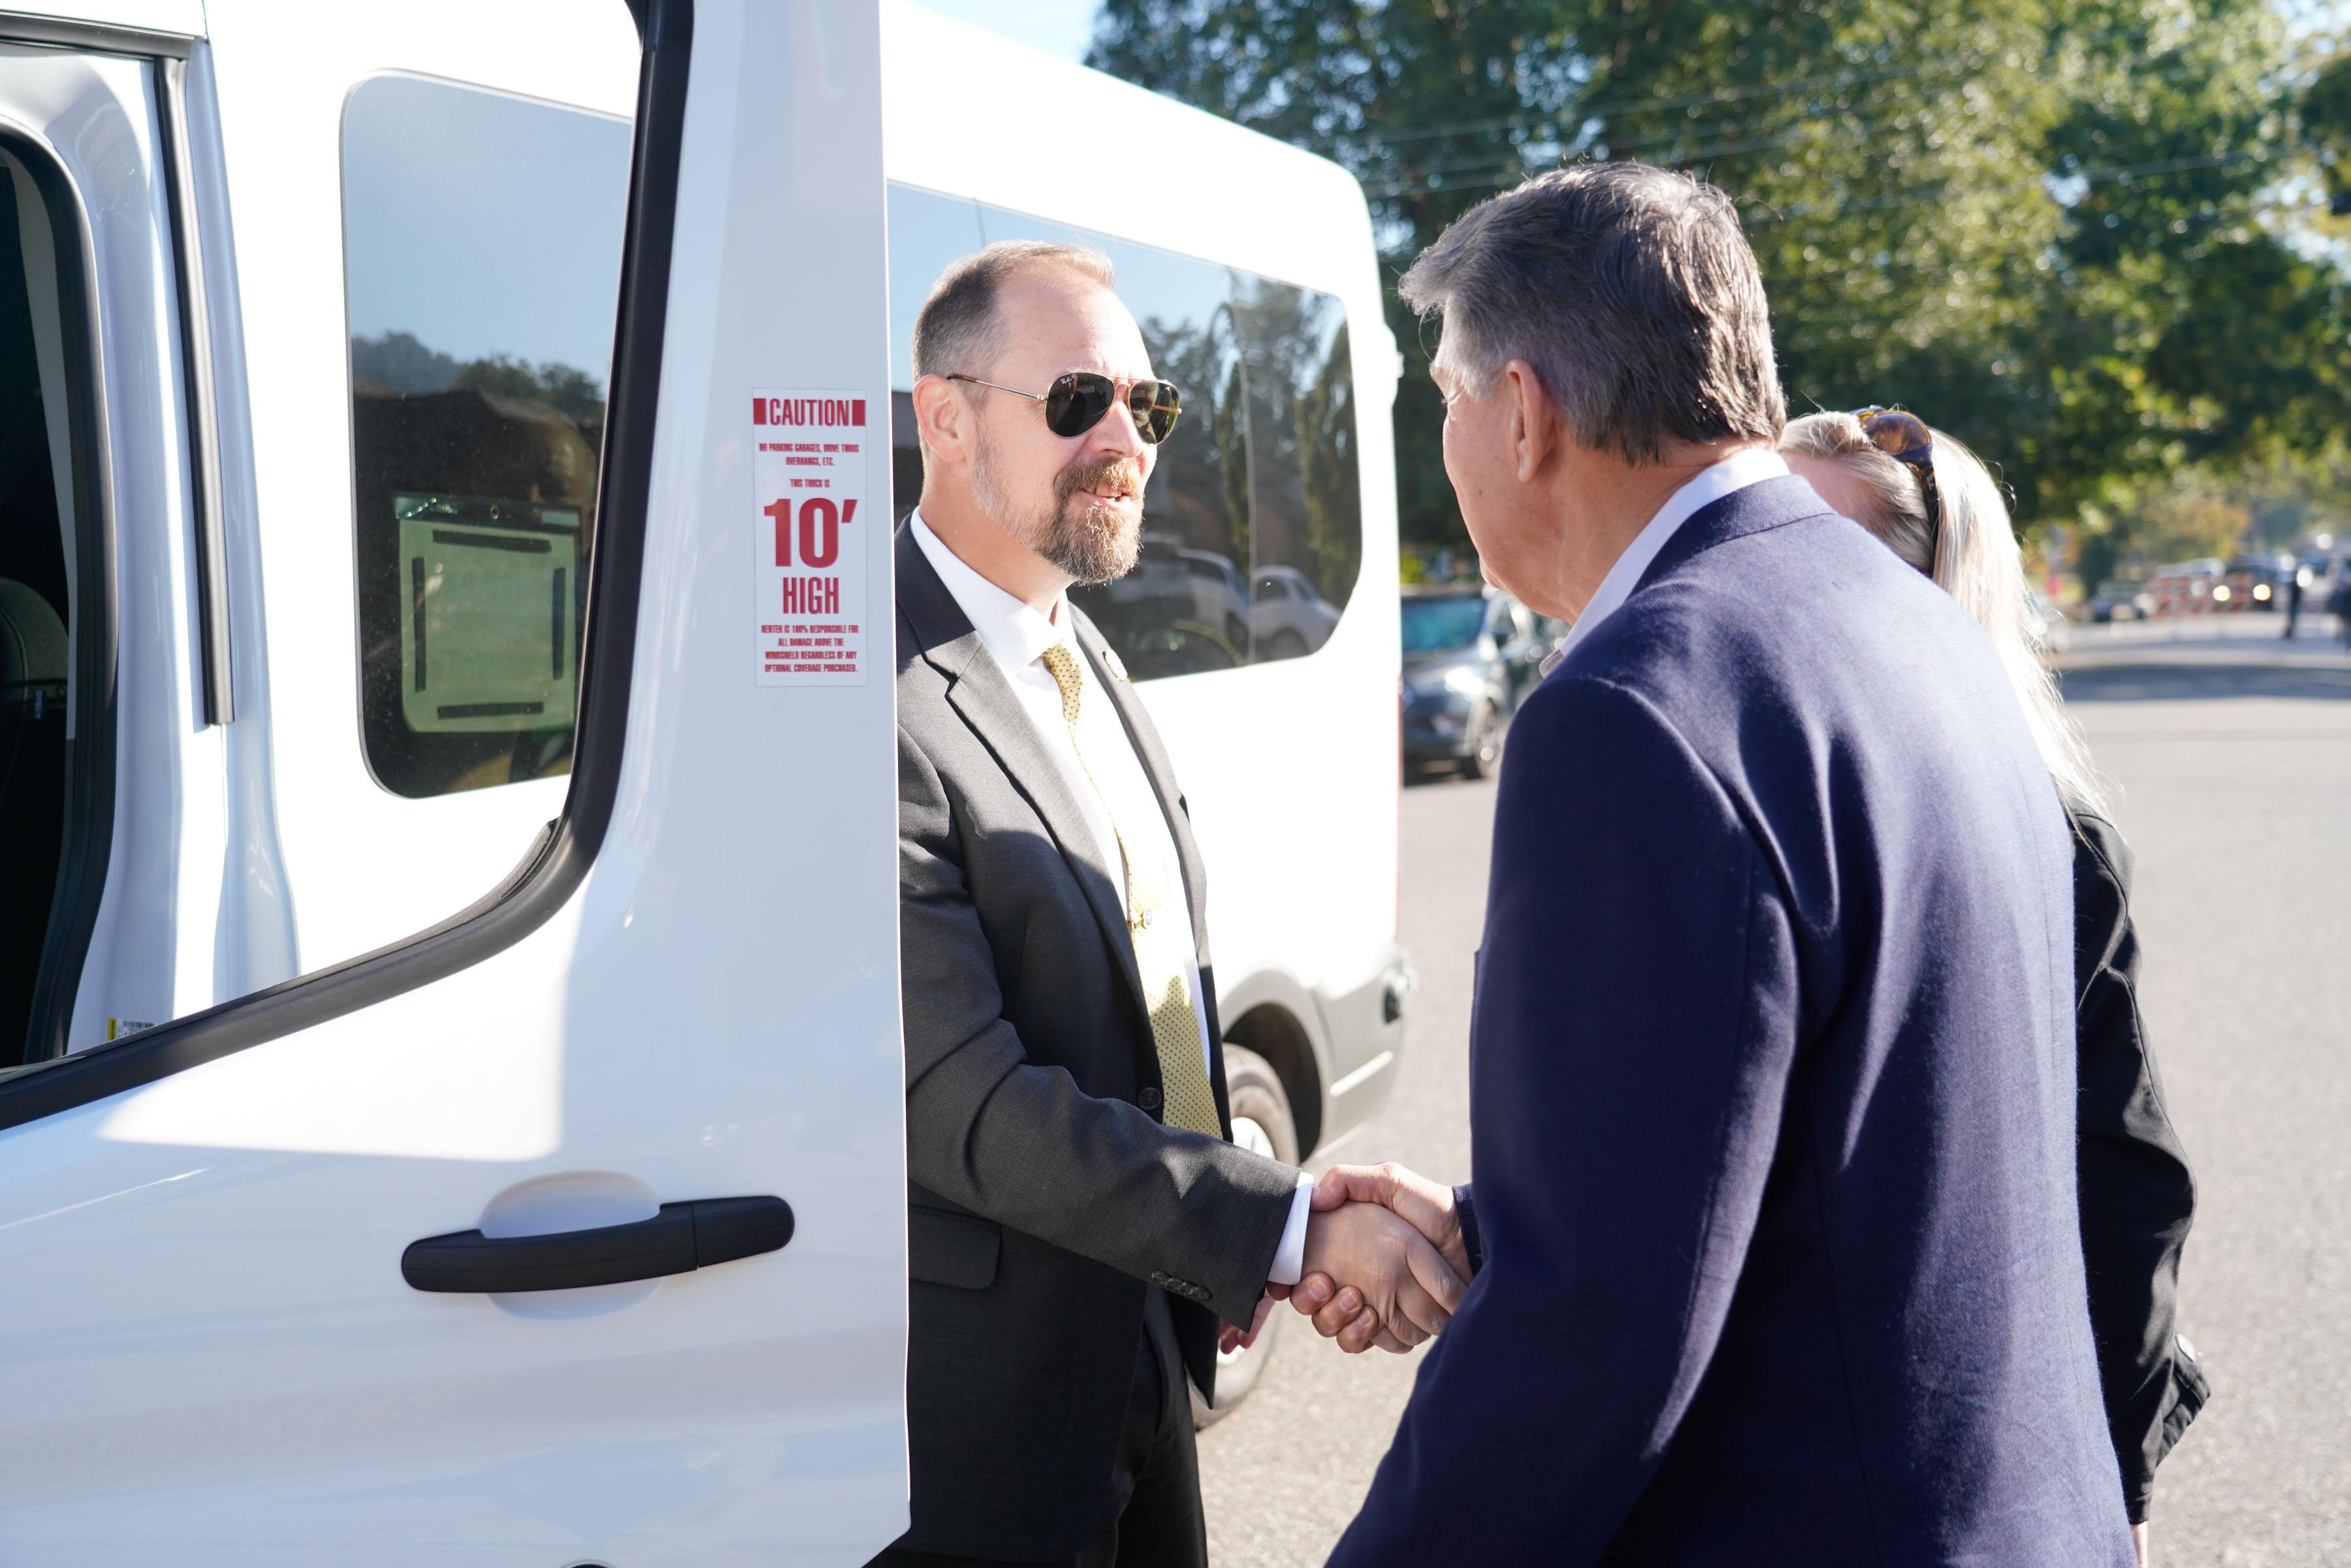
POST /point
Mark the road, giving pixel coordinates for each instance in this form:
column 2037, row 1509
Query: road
column 2232, row 752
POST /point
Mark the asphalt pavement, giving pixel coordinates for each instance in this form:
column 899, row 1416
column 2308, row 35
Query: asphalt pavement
column 2231, row 751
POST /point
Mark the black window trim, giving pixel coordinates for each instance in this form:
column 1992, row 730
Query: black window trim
column 87, row 844
column 558, row 859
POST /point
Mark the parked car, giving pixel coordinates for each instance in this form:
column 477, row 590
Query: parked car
column 1179, row 610
column 1469, row 655
column 2121, row 599
column 1218, row 597
column 2254, row 581
column 2186, row 588
column 1289, row 617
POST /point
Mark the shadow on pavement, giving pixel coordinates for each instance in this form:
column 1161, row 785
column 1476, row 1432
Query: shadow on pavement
column 2203, row 681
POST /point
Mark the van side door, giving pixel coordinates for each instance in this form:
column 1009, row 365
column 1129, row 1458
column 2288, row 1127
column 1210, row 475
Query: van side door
column 570, row 1229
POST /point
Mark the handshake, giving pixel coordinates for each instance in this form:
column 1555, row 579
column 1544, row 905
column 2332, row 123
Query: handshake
column 1386, row 1261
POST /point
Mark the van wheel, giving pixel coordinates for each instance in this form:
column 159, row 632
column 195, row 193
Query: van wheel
column 1261, row 1122
column 1485, row 755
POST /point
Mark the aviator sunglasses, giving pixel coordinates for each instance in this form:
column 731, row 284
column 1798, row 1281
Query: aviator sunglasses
column 1905, row 438
column 1077, row 401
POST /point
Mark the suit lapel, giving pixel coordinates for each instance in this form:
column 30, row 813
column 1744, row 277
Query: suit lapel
column 979, row 692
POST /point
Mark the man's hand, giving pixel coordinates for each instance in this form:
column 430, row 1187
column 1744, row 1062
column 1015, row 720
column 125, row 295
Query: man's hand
column 1398, row 1279
column 1230, row 1339
column 1339, row 1311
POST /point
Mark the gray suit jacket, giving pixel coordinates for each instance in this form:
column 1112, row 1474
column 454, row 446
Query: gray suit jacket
column 1047, row 1196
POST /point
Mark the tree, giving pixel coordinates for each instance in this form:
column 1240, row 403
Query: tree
column 2048, row 226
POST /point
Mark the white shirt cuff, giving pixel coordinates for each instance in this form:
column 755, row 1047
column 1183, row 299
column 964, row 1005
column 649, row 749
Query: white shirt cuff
column 1290, row 1258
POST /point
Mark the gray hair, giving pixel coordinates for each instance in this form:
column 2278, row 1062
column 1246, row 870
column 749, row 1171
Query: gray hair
column 1630, row 289
column 1970, row 553
column 959, row 330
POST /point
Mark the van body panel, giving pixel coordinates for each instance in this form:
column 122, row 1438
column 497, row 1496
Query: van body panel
column 210, row 1350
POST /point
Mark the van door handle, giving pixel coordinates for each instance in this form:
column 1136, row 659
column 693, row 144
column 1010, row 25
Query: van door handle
column 682, row 1237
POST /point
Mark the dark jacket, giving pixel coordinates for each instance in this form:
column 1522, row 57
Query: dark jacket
column 1047, row 1196
column 1771, row 1100
column 2135, row 1193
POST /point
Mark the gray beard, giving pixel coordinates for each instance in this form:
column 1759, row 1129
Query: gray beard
column 1093, row 545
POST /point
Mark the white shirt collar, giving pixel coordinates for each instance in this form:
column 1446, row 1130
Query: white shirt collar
column 1015, row 634
column 1752, row 466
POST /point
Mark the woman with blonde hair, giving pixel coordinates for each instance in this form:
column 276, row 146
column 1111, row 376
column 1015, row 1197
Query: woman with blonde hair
column 1931, row 501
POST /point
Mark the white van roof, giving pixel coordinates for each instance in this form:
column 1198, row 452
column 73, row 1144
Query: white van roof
column 1099, row 153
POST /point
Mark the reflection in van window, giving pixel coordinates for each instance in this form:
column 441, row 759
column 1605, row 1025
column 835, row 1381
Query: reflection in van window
column 482, row 245
column 1252, row 525
column 927, row 232
column 1305, row 489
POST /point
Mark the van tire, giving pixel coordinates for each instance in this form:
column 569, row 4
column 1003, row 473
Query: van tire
column 1260, row 1106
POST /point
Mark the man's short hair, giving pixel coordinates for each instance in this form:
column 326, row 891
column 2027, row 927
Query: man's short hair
column 1630, row 289
column 959, row 330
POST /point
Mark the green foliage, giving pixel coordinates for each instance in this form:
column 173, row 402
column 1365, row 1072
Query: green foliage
column 1329, row 471
column 2048, row 225
column 573, row 393
column 2326, row 122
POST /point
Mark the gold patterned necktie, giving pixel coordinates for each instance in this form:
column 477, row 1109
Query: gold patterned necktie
column 1154, row 925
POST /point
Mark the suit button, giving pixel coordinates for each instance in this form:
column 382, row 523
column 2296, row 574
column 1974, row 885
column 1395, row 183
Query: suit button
column 1149, row 1098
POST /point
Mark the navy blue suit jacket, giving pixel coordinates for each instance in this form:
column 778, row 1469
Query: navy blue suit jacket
column 1771, row 1100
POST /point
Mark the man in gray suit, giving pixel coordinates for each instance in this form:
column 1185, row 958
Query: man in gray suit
column 1082, row 1231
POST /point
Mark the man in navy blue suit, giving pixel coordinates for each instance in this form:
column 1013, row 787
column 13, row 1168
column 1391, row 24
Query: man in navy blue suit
column 1772, row 1053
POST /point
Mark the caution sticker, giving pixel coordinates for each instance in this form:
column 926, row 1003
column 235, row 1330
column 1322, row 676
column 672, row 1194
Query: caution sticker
column 809, row 480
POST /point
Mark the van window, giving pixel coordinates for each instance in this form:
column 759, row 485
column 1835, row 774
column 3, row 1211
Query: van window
column 40, row 552
column 1259, row 474
column 482, row 254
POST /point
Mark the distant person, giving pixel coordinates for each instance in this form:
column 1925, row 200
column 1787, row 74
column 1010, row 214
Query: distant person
column 2338, row 602
column 1931, row 501
column 2293, row 599
column 1771, row 1076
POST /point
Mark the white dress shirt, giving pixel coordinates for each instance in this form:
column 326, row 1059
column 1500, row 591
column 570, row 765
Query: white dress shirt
column 1736, row 472
column 1017, row 636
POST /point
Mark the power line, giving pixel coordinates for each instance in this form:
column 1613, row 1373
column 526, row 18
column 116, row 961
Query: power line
column 1495, row 162
column 1628, row 106
column 1847, row 76
column 2149, row 170
column 2156, row 170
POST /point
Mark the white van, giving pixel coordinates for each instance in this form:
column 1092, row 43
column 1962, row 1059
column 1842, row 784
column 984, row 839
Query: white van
column 449, row 914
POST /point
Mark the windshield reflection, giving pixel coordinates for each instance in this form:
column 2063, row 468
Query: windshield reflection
column 1437, row 625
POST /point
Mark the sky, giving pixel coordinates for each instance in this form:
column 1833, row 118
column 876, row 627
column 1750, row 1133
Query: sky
column 483, row 224
column 1057, row 26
